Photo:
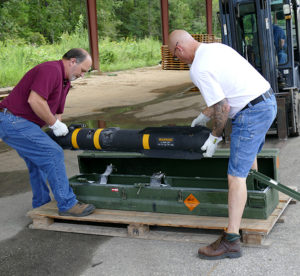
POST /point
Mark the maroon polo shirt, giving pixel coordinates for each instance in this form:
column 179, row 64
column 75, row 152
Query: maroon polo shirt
column 48, row 80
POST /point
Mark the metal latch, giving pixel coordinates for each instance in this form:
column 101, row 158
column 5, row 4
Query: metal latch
column 140, row 186
column 180, row 197
column 124, row 196
column 105, row 175
column 156, row 179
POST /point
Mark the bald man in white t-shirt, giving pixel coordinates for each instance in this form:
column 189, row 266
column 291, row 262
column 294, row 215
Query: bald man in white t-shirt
column 231, row 88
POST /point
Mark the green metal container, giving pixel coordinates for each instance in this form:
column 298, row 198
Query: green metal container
column 191, row 187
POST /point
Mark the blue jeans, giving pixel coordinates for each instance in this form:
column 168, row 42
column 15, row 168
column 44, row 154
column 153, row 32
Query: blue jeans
column 282, row 57
column 44, row 159
column 249, row 128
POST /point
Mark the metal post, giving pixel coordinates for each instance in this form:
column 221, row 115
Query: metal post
column 281, row 119
column 164, row 9
column 93, row 32
column 209, row 16
column 101, row 124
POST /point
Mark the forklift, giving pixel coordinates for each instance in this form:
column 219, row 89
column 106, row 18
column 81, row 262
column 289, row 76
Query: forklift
column 251, row 28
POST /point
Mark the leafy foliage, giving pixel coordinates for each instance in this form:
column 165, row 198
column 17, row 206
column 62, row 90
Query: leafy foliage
column 34, row 31
column 41, row 21
column 17, row 58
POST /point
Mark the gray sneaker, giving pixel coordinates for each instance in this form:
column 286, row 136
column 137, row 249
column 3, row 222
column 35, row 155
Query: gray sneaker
column 80, row 209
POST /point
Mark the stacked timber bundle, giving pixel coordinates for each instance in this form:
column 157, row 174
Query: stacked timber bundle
column 171, row 63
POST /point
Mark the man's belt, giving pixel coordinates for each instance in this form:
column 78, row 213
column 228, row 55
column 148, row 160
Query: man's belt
column 260, row 98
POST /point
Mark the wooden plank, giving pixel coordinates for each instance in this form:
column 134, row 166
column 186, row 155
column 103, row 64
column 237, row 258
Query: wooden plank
column 135, row 230
column 252, row 238
column 41, row 221
column 132, row 217
column 265, row 226
column 83, row 229
column 153, row 234
column 138, row 224
column 171, row 220
column 204, row 238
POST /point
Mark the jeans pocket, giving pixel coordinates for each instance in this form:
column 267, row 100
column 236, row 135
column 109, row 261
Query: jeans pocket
column 14, row 119
column 22, row 125
column 241, row 127
column 262, row 118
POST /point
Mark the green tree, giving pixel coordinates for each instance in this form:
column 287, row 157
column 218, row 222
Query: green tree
column 39, row 18
column 139, row 18
column 38, row 21
column 13, row 19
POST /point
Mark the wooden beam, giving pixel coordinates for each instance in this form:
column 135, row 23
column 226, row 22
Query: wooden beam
column 164, row 10
column 209, row 16
column 93, row 32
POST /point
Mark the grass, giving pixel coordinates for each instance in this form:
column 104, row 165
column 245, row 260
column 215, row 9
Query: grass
column 16, row 58
column 128, row 54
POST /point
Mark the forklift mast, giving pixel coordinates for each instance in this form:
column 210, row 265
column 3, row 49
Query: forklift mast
column 249, row 27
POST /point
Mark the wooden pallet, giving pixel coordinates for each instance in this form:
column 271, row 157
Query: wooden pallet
column 158, row 226
column 171, row 63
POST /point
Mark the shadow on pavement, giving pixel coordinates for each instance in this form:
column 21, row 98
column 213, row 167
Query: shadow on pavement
column 38, row 252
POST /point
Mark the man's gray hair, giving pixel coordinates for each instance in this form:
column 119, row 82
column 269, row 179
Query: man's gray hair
column 78, row 53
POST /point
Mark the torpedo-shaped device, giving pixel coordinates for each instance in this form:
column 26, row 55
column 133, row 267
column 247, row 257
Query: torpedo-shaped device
column 180, row 142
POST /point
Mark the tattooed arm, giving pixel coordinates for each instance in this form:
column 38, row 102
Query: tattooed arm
column 221, row 112
column 209, row 111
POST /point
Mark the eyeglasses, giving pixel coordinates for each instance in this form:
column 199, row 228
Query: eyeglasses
column 175, row 49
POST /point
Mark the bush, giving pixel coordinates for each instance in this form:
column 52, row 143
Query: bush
column 17, row 57
column 107, row 56
column 36, row 38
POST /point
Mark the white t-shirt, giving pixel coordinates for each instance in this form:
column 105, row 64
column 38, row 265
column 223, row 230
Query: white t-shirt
column 220, row 72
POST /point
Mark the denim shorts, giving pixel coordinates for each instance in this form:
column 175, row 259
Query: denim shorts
column 249, row 128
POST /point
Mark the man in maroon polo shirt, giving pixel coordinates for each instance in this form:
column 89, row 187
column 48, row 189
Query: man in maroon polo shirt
column 38, row 100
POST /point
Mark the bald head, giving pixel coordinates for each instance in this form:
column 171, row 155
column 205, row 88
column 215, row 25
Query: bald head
column 182, row 45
